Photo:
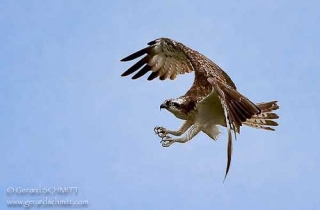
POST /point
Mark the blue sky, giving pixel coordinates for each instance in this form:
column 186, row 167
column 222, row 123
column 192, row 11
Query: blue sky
column 69, row 119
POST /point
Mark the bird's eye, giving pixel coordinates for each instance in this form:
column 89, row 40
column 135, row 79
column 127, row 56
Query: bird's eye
column 176, row 104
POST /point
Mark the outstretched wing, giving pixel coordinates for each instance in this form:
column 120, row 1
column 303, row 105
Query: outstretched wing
column 167, row 58
column 164, row 57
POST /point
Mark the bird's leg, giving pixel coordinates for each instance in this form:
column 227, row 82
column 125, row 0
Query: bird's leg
column 162, row 132
column 168, row 140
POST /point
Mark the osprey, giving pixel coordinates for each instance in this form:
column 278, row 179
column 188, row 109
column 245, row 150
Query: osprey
column 212, row 100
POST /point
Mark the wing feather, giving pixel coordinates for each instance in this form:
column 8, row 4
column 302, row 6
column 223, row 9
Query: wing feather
column 142, row 72
column 153, row 75
column 240, row 108
column 166, row 58
column 229, row 153
column 136, row 54
column 237, row 109
column 136, row 66
column 229, row 127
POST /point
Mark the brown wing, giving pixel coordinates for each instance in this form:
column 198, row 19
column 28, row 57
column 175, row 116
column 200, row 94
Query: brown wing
column 237, row 109
column 167, row 58
column 164, row 57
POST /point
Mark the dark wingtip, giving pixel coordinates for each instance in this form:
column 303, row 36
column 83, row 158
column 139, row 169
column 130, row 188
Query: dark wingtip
column 153, row 75
column 126, row 73
column 135, row 67
column 155, row 41
column 125, row 59
column 152, row 42
column 142, row 72
column 136, row 54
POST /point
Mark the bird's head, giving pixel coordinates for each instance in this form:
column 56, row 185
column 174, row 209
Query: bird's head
column 177, row 106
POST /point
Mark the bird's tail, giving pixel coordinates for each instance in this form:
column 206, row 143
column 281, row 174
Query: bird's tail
column 266, row 118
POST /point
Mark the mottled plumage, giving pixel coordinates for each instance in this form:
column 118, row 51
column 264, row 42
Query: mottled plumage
column 212, row 99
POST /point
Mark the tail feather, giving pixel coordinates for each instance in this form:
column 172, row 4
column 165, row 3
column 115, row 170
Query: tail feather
column 268, row 115
column 258, row 126
column 266, row 118
column 268, row 106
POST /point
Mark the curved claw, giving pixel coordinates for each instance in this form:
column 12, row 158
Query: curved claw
column 166, row 141
column 160, row 131
column 162, row 135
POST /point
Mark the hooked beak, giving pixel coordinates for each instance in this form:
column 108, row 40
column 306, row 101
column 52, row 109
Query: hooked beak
column 163, row 106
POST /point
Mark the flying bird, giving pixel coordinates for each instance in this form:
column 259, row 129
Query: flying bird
column 212, row 100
